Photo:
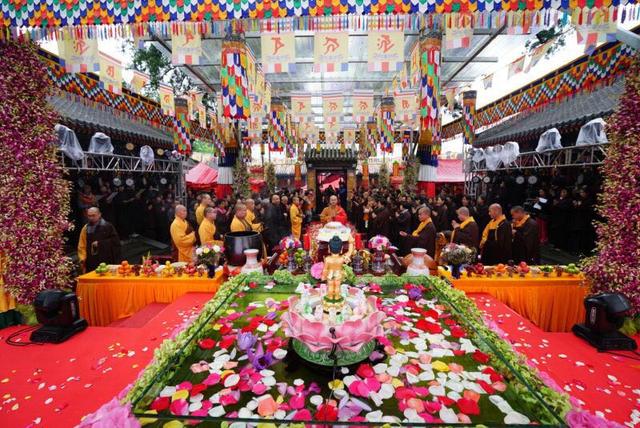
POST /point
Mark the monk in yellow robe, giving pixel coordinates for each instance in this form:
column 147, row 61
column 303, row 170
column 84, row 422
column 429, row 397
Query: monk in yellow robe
column 295, row 214
column 183, row 236
column 207, row 229
column 251, row 215
column 333, row 212
column 239, row 222
column 205, row 202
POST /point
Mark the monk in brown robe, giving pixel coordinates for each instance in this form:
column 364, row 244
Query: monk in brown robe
column 333, row 212
column 467, row 232
column 496, row 238
column 99, row 242
column 526, row 244
column 425, row 234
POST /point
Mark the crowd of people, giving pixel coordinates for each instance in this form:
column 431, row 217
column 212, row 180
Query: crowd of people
column 501, row 227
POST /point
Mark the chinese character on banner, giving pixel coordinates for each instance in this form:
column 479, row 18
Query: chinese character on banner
column 300, row 105
column 414, row 71
column 193, row 100
column 186, row 47
column 332, row 104
column 330, row 52
column 110, row 74
column 79, row 55
column 139, row 81
column 362, row 105
column 349, row 136
column 166, row 99
column 278, row 52
column 385, row 51
column 406, row 106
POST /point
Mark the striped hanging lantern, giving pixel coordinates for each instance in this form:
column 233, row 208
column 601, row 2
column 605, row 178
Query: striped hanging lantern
column 429, row 143
column 233, row 78
column 372, row 138
column 277, row 126
column 387, row 106
column 181, row 127
column 468, row 116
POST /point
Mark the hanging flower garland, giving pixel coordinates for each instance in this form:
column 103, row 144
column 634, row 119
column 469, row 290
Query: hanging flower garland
column 34, row 197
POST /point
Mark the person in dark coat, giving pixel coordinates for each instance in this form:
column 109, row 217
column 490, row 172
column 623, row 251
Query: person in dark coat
column 467, row 232
column 526, row 243
column 560, row 220
column 440, row 215
column 424, row 236
column 273, row 223
column 482, row 213
column 403, row 224
column 99, row 242
column 496, row 238
column 380, row 223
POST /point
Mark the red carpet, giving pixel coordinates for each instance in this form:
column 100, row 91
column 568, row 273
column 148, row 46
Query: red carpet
column 140, row 318
column 56, row 385
column 604, row 384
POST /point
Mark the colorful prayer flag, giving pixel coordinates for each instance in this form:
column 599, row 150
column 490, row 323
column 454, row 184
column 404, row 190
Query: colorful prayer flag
column 110, row 73
column 202, row 116
column 139, row 81
column 186, row 47
column 349, row 136
column 362, row 107
column 516, row 67
column 385, row 51
column 414, row 71
column 300, row 105
column 78, row 55
column 332, row 103
column 278, row 52
column 537, row 54
column 330, row 52
column 450, row 94
column 233, row 80
column 458, row 37
column 406, row 106
column 166, row 99
column 487, row 81
column 518, row 23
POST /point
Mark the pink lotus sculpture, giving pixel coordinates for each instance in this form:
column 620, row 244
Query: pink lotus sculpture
column 350, row 335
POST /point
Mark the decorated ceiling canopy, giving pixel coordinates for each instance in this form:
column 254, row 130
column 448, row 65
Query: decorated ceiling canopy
column 57, row 13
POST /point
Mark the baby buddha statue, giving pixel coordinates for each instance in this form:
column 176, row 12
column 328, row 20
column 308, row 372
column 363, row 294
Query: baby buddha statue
column 333, row 273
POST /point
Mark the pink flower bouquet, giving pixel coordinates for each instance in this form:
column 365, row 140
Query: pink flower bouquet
column 379, row 243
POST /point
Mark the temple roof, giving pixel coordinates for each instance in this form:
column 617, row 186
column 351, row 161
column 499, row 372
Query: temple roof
column 116, row 124
column 571, row 112
column 330, row 154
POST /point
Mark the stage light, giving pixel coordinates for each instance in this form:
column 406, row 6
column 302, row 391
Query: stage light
column 58, row 313
column 605, row 315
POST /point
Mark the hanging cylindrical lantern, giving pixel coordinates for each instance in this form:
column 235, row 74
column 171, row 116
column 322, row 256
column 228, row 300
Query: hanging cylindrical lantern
column 429, row 143
column 297, row 175
column 365, row 174
column 372, row 138
column 234, row 84
column 468, row 116
column 387, row 137
column 181, row 127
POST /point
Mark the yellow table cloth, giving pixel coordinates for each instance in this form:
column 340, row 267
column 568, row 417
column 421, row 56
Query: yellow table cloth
column 552, row 303
column 104, row 299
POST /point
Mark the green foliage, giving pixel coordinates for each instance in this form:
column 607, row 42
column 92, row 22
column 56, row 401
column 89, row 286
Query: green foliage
column 241, row 179
column 555, row 35
column 410, row 177
column 383, row 175
column 270, row 177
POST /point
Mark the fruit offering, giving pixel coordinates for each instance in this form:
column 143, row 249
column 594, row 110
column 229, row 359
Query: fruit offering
column 190, row 269
column 501, row 269
column 523, row 269
column 546, row 270
column 124, row 269
column 479, row 269
column 102, row 269
column 283, row 259
column 559, row 270
column 572, row 269
column 168, row 270
column 148, row 268
column 202, row 270
column 136, row 270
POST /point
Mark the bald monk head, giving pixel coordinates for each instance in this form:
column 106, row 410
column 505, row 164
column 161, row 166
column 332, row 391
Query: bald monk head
column 181, row 211
column 423, row 214
column 251, row 204
column 205, row 199
column 210, row 214
column 495, row 211
column 94, row 215
column 241, row 211
column 463, row 213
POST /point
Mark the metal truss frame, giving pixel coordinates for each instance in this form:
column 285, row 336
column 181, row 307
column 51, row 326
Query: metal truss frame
column 566, row 157
column 121, row 163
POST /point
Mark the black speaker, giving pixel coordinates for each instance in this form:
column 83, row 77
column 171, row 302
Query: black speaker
column 58, row 313
column 605, row 315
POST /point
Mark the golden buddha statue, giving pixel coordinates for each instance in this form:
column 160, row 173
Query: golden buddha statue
column 333, row 273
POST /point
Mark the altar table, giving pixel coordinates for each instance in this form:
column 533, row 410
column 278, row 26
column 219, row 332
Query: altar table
column 104, row 299
column 552, row 303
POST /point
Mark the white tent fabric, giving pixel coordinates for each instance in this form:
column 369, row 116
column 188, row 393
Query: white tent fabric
column 68, row 143
column 478, row 155
column 493, row 157
column 147, row 156
column 510, row 152
column 549, row 140
column 592, row 132
column 101, row 144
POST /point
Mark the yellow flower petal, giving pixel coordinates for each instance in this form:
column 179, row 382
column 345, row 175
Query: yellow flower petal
column 183, row 393
column 336, row 384
column 397, row 383
column 173, row 424
column 440, row 366
column 145, row 421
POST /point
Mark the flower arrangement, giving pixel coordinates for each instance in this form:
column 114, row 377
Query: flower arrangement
column 32, row 246
column 455, row 254
column 289, row 243
column 379, row 243
column 615, row 266
column 209, row 254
